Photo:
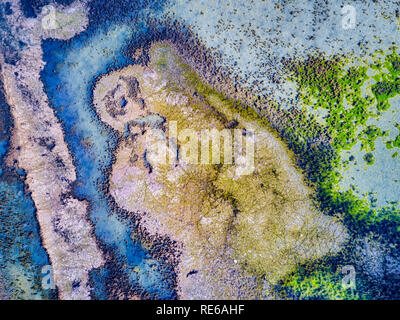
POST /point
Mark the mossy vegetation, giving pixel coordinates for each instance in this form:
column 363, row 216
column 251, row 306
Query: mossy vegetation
column 320, row 284
column 330, row 85
column 369, row 158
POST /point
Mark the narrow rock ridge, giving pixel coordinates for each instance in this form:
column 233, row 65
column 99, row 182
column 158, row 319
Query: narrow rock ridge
column 38, row 147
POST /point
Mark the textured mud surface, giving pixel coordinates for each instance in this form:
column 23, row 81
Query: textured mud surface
column 217, row 216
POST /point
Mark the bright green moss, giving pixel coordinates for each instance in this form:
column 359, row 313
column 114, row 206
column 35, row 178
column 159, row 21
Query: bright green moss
column 327, row 84
column 396, row 142
column 322, row 284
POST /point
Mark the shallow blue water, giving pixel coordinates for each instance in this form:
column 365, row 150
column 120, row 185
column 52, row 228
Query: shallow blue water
column 69, row 74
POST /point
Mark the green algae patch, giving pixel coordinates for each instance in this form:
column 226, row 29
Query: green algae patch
column 396, row 141
column 388, row 83
column 369, row 158
column 320, row 284
column 351, row 95
column 325, row 84
column 355, row 97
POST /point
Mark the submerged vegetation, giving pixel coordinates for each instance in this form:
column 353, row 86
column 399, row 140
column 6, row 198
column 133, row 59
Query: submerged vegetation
column 340, row 88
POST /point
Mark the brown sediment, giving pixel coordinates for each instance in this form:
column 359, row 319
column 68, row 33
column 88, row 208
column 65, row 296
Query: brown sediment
column 37, row 146
column 231, row 232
